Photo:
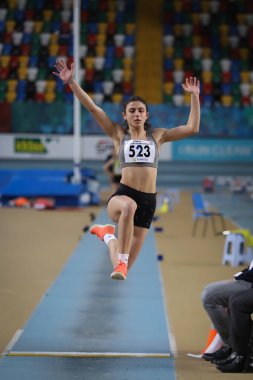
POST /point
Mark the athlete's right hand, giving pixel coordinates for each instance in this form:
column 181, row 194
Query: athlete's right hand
column 64, row 73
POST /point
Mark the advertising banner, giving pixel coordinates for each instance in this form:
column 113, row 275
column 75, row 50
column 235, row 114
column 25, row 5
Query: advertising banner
column 213, row 150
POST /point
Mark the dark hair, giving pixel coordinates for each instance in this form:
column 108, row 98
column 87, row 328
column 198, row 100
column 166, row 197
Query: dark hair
column 135, row 98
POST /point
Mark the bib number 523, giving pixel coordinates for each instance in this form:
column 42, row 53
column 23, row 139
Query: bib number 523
column 139, row 150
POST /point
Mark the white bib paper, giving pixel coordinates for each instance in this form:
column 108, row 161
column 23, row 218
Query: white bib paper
column 139, row 151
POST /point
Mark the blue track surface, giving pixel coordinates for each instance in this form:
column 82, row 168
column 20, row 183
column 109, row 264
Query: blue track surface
column 86, row 312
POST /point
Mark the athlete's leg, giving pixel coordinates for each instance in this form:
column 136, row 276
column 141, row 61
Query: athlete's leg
column 137, row 243
column 121, row 210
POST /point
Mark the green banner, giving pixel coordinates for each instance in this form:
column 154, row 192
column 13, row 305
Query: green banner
column 27, row 145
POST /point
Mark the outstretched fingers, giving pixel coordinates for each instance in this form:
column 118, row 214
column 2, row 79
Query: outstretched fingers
column 190, row 84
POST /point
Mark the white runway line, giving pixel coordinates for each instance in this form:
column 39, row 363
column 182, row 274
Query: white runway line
column 12, row 342
column 89, row 354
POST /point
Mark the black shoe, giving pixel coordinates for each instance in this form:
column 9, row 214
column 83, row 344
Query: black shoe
column 225, row 361
column 237, row 365
column 222, row 353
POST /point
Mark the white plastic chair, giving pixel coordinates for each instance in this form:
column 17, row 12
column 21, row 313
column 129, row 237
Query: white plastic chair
column 28, row 26
column 40, row 86
column 44, row 39
column 99, row 63
column 17, row 38
column 98, row 97
column 119, row 39
column 178, row 99
column 32, row 73
column 117, row 75
column 129, row 51
column 108, row 87
column 168, row 40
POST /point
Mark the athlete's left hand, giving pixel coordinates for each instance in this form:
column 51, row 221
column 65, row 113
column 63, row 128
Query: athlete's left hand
column 191, row 85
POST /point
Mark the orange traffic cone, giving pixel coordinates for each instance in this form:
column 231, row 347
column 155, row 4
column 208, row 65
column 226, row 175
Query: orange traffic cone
column 214, row 342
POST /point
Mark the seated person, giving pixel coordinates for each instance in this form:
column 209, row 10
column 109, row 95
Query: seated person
column 215, row 299
column 240, row 310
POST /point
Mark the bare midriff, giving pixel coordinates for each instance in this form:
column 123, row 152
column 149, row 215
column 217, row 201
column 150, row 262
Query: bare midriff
column 140, row 178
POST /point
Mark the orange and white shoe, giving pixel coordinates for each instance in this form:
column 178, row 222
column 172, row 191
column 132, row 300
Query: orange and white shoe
column 120, row 272
column 101, row 229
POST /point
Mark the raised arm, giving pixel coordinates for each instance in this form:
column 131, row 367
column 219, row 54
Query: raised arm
column 67, row 76
column 192, row 86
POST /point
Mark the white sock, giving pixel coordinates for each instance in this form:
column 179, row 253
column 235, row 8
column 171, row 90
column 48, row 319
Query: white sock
column 108, row 237
column 123, row 257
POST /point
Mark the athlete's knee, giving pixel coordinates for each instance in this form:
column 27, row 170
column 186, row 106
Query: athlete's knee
column 129, row 207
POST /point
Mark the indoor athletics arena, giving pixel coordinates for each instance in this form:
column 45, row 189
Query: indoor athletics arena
column 62, row 315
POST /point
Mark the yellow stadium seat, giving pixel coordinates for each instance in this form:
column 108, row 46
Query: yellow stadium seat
column 245, row 76
column 89, row 62
column 196, row 40
column 226, row 100
column 54, row 38
column 101, row 39
column 38, row 26
column 178, row 64
column 178, row 5
column 47, row 14
column 9, row 26
column 102, row 27
column 12, row 4
column 49, row 97
column 50, row 85
column 127, row 63
column 224, row 29
column 23, row 61
column 195, row 18
column 207, row 76
column 5, row 60
column 177, row 28
column 169, row 51
column 130, row 28
column 100, row 50
column 206, row 53
column 241, row 18
column 11, row 96
column 111, row 5
column 111, row 16
column 187, row 99
column 12, row 85
column 53, row 49
column 22, row 73
column 224, row 41
column 127, row 75
column 244, row 53
column 205, row 6
column 168, row 88
column 117, row 98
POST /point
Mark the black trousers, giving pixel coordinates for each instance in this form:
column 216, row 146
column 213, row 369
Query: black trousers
column 240, row 310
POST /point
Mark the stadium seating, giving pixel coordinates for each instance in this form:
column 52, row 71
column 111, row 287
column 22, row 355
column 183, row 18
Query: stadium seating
column 34, row 34
column 212, row 40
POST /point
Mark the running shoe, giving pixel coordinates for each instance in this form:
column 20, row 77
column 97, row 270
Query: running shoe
column 101, row 229
column 120, row 272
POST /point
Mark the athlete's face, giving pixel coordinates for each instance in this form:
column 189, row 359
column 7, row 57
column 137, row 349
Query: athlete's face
column 136, row 114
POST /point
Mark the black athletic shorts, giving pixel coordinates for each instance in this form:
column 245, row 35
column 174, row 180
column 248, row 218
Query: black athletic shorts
column 146, row 204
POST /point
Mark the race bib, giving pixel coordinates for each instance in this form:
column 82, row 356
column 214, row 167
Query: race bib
column 139, row 151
